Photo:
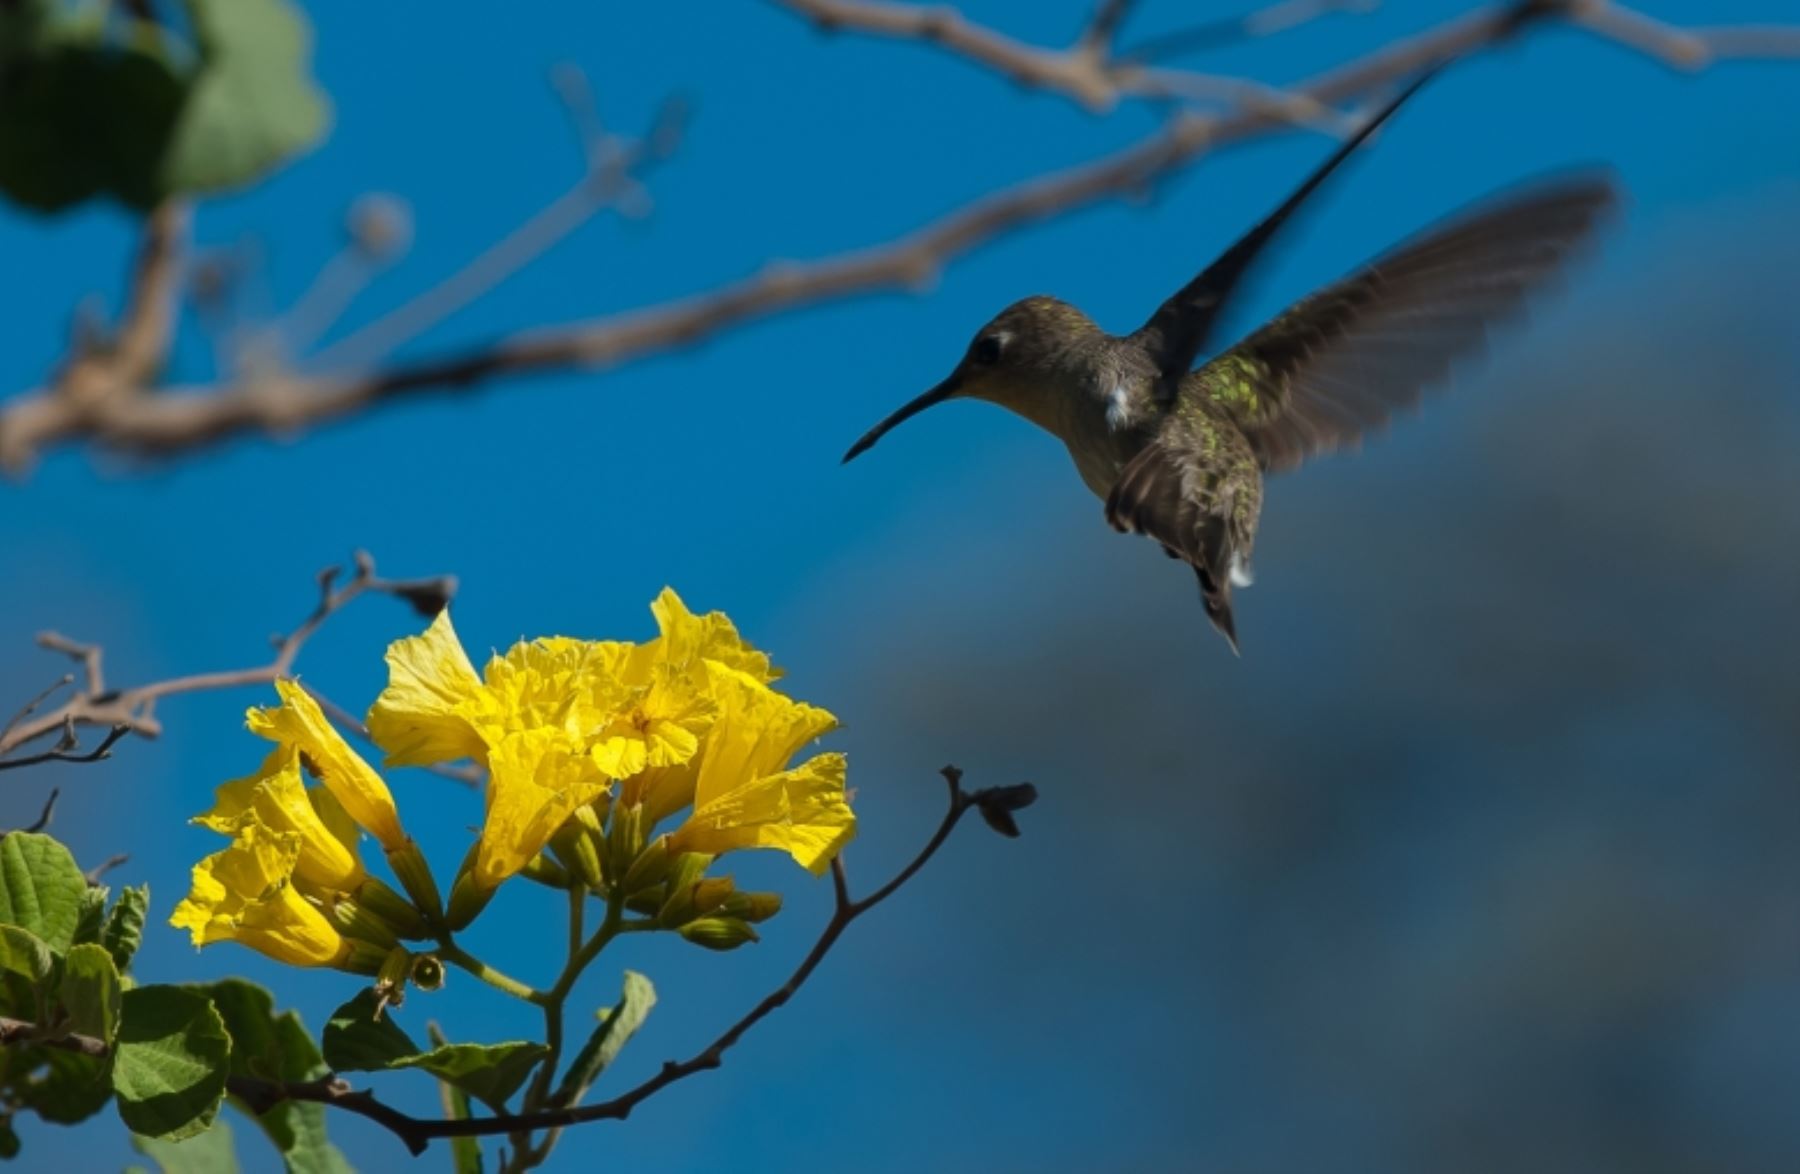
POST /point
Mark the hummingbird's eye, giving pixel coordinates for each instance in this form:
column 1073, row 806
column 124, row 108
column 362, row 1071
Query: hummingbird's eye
column 986, row 350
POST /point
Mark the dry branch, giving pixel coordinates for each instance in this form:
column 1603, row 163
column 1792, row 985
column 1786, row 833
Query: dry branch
column 133, row 710
column 182, row 419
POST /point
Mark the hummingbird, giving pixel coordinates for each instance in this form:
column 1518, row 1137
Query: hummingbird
column 1179, row 454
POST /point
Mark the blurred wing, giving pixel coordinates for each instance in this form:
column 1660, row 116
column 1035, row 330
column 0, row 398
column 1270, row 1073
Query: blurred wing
column 1178, row 331
column 1341, row 362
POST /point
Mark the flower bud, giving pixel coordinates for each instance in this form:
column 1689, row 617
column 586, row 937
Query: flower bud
column 356, row 920
column 719, row 933
column 378, row 898
column 546, row 871
column 578, row 844
column 651, row 865
column 362, row 957
column 414, row 874
column 751, row 907
column 624, row 838
column 468, row 897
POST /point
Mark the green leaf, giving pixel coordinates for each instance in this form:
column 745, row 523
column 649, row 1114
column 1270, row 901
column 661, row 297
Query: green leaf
column 92, row 915
column 488, row 1072
column 277, row 1047
column 124, row 929
column 87, row 118
column 209, row 1152
column 358, row 1039
column 465, row 1152
column 617, row 1026
column 90, row 992
column 254, row 103
column 355, row 1041
column 24, row 953
column 172, row 1060
column 41, row 887
column 67, row 1087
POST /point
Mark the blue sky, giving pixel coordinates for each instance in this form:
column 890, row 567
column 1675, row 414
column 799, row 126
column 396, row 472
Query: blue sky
column 1484, row 831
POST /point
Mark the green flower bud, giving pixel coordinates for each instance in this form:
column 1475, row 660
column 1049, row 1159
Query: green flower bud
column 378, row 898
column 651, row 865
column 751, row 907
column 355, row 920
column 719, row 933
column 414, row 874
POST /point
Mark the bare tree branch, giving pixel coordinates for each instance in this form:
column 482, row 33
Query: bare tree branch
column 184, row 419
column 132, row 710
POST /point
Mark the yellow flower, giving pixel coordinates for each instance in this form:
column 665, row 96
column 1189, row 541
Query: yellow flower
column 687, row 637
column 419, row 718
column 743, row 795
column 299, row 723
column 277, row 798
column 244, row 894
column 657, row 710
column 536, row 780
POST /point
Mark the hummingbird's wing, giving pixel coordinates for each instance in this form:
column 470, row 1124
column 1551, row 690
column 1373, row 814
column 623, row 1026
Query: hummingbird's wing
column 1341, row 362
column 1178, row 331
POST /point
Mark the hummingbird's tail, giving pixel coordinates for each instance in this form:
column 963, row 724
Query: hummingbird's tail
column 1190, row 518
column 1217, row 598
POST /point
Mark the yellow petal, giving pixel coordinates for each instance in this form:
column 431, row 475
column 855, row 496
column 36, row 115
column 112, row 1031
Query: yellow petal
column 537, row 778
column 420, row 718
column 277, row 798
column 802, row 812
column 549, row 683
column 299, row 723
column 244, row 894
column 687, row 637
column 757, row 731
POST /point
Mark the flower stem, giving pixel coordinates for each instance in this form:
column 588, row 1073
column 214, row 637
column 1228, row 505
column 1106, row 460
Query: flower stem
column 454, row 954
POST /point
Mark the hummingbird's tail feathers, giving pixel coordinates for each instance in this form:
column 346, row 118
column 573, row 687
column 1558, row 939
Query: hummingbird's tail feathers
column 1341, row 363
column 1194, row 512
column 1218, row 609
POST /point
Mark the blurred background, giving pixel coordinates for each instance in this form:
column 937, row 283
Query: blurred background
column 1483, row 857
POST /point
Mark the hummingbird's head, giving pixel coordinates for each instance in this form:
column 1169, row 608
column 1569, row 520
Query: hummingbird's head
column 1023, row 360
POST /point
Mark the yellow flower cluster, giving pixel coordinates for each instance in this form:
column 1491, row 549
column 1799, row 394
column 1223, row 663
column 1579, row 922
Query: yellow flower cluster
column 570, row 733
column 292, row 883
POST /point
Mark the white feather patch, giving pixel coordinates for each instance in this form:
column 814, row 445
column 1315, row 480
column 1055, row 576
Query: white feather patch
column 1118, row 408
column 1240, row 572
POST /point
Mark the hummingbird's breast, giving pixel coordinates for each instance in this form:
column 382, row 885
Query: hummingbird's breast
column 1112, row 419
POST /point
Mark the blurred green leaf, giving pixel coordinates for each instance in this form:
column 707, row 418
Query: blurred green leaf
column 100, row 103
column 91, row 994
column 253, row 104
column 172, row 1060
column 24, row 953
column 124, row 929
column 209, row 1152
column 277, row 1047
column 41, row 887
column 67, row 1087
column 84, row 118
column 617, row 1026
column 93, row 909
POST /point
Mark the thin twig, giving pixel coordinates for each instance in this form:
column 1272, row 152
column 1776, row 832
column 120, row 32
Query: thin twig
column 1262, row 22
column 132, row 710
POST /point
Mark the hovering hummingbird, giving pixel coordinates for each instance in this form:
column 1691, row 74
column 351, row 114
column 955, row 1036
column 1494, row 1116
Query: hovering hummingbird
column 1179, row 454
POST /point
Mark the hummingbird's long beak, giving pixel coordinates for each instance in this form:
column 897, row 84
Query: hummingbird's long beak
column 936, row 395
